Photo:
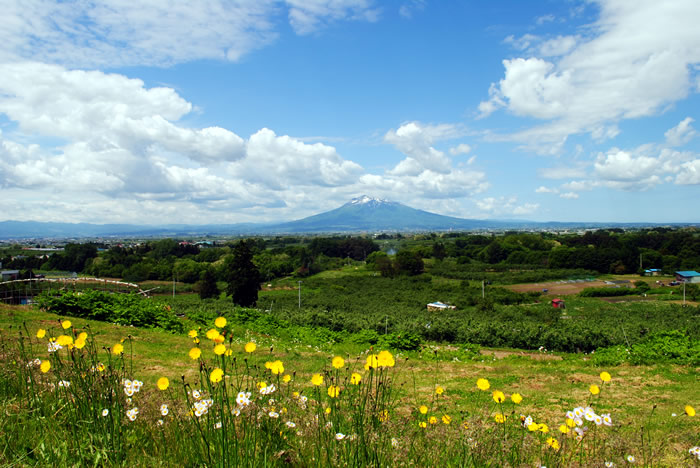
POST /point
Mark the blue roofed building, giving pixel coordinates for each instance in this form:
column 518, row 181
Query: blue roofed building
column 688, row 276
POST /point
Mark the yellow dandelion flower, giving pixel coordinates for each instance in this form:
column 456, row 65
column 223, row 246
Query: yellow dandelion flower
column 500, row 418
column 219, row 349
column 605, row 377
column 355, row 378
column 45, row 366
column 317, row 379
column 80, row 343
column 117, row 349
column 533, row 427
column 66, row 324
column 570, row 422
column 446, row 419
column 594, row 389
column 328, row 411
column 564, row 429
column 220, row 322
column 423, row 424
column 516, row 398
column 432, row 420
column 219, row 339
column 216, row 375
column 163, row 383
column 554, row 443
column 385, row 359
column 229, row 352
column 543, row 428
column 192, row 333
column 372, row 362
column 286, row 378
column 483, row 384
column 40, row 333
column 195, row 353
column 64, row 340
column 268, row 365
column 333, row 391
column 338, row 362
column 83, row 336
column 212, row 334
column 498, row 396
column 439, row 390
column 261, row 384
column 689, row 410
column 383, row 415
column 277, row 367
column 250, row 347
column 423, row 409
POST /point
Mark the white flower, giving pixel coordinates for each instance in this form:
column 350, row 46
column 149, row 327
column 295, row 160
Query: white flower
column 578, row 411
column 609, row 464
column 160, row 422
column 290, row 424
column 339, row 436
column 196, row 394
column 64, row 383
column 394, row 442
column 243, row 399
column 578, row 421
column 598, row 420
column 570, row 415
column 132, row 413
column 631, row 459
column 217, row 425
column 606, row 419
column 164, row 409
column 528, row 421
column 105, row 412
column 268, row 390
column 236, row 412
column 589, row 414
column 272, row 414
column 53, row 346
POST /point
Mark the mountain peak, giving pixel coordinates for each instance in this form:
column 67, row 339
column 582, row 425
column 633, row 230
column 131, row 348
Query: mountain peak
column 364, row 200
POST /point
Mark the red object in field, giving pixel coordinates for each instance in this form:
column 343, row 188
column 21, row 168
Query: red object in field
column 558, row 304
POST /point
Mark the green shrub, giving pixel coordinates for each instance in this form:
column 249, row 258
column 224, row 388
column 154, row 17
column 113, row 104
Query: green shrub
column 404, row 341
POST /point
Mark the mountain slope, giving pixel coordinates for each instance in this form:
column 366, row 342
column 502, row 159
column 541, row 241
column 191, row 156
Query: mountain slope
column 373, row 214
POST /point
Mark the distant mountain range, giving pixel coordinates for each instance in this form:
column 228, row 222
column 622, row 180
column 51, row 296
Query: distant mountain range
column 362, row 214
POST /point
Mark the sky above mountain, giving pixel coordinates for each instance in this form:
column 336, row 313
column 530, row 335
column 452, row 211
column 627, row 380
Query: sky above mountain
column 149, row 112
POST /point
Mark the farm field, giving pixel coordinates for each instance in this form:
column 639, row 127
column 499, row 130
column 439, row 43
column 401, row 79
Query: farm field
column 569, row 287
column 636, row 397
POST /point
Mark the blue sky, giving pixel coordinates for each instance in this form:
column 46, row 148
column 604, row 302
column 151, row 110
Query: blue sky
column 251, row 111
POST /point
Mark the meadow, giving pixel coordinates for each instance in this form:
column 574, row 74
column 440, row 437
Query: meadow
column 245, row 387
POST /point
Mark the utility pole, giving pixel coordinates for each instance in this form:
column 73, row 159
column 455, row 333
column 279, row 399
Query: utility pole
column 483, row 290
column 683, row 293
column 299, row 295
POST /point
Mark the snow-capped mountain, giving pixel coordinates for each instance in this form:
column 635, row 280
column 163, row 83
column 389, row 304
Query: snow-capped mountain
column 367, row 213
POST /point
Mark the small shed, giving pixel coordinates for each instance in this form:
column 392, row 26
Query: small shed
column 9, row 275
column 688, row 276
column 558, row 303
column 652, row 272
column 433, row 306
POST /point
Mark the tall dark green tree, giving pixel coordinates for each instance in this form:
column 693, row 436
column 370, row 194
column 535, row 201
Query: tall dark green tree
column 207, row 285
column 242, row 276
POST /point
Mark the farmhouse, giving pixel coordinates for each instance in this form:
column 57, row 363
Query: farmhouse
column 652, row 272
column 688, row 276
column 433, row 306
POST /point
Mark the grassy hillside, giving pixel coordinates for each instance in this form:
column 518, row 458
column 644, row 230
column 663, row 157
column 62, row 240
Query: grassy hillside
column 639, row 398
